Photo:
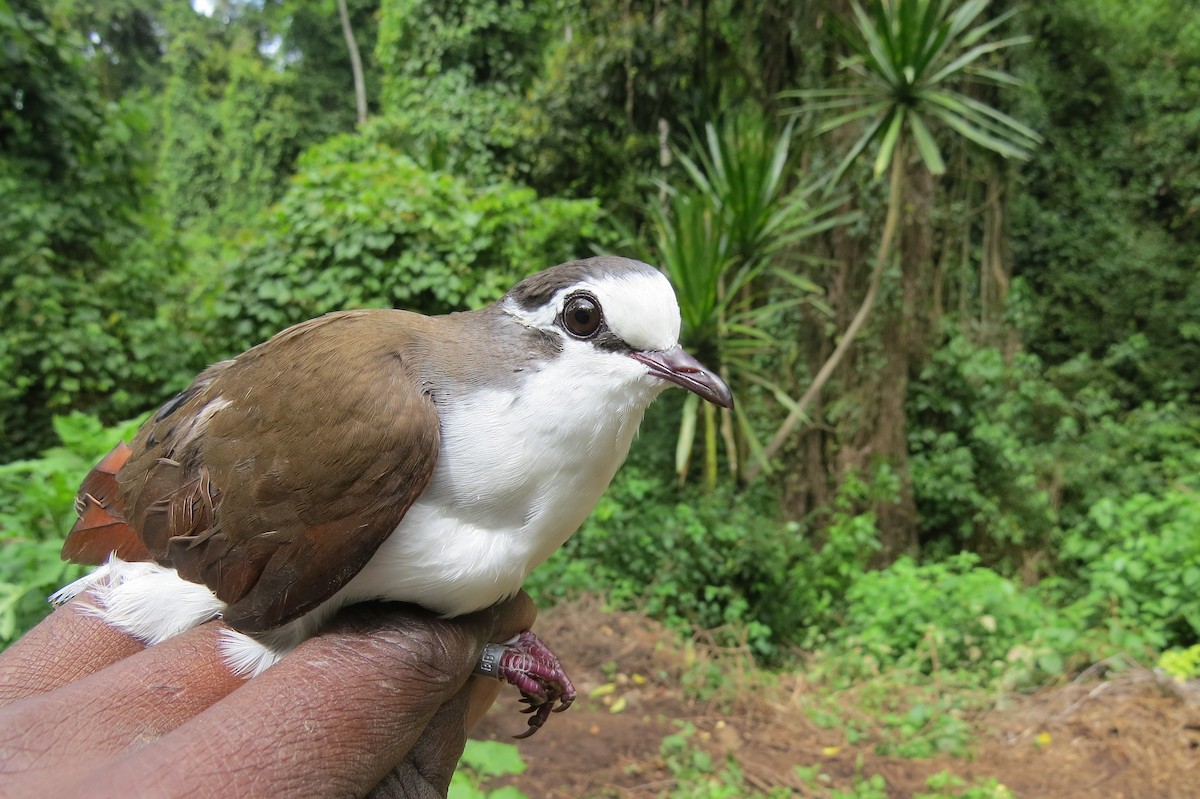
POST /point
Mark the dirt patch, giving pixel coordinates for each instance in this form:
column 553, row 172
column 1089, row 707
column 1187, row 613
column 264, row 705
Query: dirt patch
column 1131, row 735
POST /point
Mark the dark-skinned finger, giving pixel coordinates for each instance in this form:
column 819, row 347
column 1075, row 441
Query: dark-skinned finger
column 426, row 771
column 430, row 764
column 331, row 719
column 127, row 704
column 66, row 646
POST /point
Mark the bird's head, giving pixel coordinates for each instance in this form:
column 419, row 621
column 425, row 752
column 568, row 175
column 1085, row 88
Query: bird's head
column 614, row 317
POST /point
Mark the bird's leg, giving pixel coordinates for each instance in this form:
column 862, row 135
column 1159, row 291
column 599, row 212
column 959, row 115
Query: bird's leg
column 529, row 664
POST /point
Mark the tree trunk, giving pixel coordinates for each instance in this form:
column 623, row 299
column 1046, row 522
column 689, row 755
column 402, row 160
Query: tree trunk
column 360, row 86
column 907, row 332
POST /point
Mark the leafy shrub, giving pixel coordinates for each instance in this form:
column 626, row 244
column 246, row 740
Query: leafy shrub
column 85, row 279
column 824, row 571
column 1006, row 454
column 36, row 498
column 363, row 225
column 1182, row 664
column 455, row 78
column 1114, row 453
column 949, row 615
column 1138, row 560
column 1104, row 235
column 979, row 456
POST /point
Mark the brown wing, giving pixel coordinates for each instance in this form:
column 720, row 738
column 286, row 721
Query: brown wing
column 275, row 476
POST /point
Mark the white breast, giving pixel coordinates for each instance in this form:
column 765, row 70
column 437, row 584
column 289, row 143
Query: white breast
column 519, row 471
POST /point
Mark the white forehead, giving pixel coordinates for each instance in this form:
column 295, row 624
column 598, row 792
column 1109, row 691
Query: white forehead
column 639, row 307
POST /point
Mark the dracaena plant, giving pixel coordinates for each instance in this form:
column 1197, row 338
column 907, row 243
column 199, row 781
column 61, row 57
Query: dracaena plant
column 909, row 63
column 719, row 235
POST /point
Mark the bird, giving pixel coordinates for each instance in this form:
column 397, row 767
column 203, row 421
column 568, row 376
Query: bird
column 381, row 454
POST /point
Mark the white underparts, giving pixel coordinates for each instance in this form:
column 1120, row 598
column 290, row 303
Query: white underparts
column 492, row 513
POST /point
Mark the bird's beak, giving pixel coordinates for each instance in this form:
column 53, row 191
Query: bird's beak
column 683, row 370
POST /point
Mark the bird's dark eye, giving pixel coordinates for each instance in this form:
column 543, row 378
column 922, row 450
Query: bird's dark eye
column 581, row 315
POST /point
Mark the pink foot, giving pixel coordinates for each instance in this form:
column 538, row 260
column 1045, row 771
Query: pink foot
column 529, row 664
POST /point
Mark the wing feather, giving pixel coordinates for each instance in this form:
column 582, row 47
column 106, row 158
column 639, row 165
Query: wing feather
column 275, row 476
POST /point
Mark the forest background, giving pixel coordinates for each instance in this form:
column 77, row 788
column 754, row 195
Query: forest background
column 945, row 253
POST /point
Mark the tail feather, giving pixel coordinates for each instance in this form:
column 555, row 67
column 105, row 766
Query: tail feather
column 101, row 529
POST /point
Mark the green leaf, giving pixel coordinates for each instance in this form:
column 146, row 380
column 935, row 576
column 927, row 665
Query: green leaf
column 983, row 139
column 888, row 145
column 687, row 435
column 843, row 119
column 493, row 758
column 926, row 146
column 856, row 150
column 757, row 451
column 958, row 64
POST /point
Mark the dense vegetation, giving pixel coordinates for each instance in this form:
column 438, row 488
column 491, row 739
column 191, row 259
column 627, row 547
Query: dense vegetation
column 958, row 305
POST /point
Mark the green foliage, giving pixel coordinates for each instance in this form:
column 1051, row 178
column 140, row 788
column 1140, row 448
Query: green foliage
column 363, row 225
column 1138, row 562
column 981, row 450
column 313, row 59
column 1006, row 454
column 719, row 238
column 480, row 762
column 945, row 785
column 690, row 560
column 188, row 174
column 260, row 132
column 233, row 122
column 455, row 75
column 36, row 511
column 696, row 775
column 824, row 571
column 722, row 561
column 1182, row 664
column 124, row 46
column 1105, row 238
column 926, row 729
column 86, row 286
column 716, row 233
column 716, row 560
column 942, row 785
column 952, row 614
column 821, row 784
column 911, row 58
column 619, row 77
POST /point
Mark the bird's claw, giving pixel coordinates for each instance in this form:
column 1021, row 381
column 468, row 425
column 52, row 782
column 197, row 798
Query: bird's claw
column 536, row 671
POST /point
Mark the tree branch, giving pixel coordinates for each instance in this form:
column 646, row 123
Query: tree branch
column 895, row 202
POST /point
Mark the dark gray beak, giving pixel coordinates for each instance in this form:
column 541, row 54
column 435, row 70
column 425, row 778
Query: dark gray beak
column 683, row 370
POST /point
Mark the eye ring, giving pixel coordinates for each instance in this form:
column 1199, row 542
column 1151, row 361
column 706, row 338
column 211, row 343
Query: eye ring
column 581, row 315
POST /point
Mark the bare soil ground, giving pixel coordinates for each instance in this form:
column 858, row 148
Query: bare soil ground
column 1131, row 735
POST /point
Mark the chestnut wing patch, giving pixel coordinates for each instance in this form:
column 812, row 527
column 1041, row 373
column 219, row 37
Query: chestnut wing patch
column 101, row 529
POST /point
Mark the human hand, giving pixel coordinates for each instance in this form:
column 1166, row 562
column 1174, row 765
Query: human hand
column 384, row 692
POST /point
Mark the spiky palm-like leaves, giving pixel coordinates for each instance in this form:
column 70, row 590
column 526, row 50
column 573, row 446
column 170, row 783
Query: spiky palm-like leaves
column 714, row 236
column 910, row 60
